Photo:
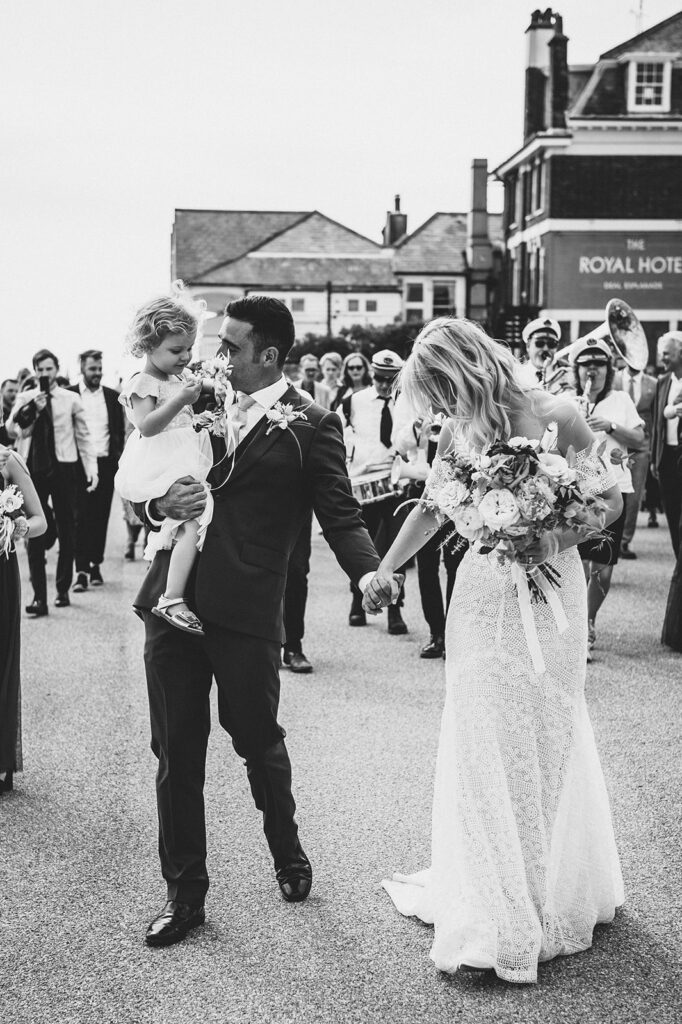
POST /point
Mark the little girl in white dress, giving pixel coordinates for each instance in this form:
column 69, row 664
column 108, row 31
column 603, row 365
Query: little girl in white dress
column 165, row 447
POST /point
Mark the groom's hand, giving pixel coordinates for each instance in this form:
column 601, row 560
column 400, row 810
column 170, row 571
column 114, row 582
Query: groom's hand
column 381, row 591
column 185, row 499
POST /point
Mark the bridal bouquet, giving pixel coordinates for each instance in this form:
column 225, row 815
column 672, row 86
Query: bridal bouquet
column 13, row 522
column 217, row 420
column 505, row 499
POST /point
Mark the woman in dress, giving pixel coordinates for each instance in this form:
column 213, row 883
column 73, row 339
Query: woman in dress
column 524, row 861
column 613, row 417
column 13, row 471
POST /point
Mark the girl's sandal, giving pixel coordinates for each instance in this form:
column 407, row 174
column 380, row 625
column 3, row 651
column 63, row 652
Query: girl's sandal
column 186, row 621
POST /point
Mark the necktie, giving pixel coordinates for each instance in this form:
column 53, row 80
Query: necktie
column 386, row 426
column 631, row 387
column 240, row 417
column 540, row 376
column 42, row 454
column 309, row 386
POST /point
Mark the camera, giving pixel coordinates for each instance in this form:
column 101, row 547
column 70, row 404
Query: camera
column 44, row 385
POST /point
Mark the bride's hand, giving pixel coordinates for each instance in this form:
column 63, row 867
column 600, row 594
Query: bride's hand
column 542, row 550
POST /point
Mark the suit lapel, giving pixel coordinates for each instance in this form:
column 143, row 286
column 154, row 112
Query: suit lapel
column 258, row 441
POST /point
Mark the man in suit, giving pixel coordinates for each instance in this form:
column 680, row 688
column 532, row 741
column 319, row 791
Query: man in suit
column 104, row 416
column 666, row 446
column 641, row 388
column 262, row 499
column 55, row 441
column 319, row 392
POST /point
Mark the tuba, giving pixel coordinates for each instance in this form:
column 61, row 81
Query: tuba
column 621, row 330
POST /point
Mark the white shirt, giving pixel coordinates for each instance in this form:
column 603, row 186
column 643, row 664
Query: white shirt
column 618, row 408
column 71, row 433
column 672, row 425
column 527, row 375
column 363, row 442
column 263, row 400
column 97, row 416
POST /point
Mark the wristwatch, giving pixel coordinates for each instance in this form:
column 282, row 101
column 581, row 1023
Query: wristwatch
column 612, row 427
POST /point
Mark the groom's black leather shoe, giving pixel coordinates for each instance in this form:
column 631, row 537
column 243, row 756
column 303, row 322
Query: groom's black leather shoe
column 295, row 879
column 173, row 923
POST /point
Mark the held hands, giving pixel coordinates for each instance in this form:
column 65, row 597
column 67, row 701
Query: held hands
column 185, row 499
column 382, row 590
column 40, row 401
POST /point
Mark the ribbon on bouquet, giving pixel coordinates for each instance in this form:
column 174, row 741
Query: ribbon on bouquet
column 520, row 579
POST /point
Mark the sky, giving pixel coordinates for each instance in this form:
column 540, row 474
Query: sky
column 113, row 114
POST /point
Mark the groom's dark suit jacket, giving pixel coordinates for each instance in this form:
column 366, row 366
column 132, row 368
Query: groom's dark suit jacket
column 260, row 507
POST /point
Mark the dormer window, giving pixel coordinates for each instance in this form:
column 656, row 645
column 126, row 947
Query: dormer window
column 649, row 86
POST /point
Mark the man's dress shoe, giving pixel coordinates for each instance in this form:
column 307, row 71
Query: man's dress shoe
column 357, row 615
column 296, row 661
column 173, row 923
column 295, row 879
column 625, row 551
column 81, row 583
column 396, row 626
column 95, row 576
column 435, row 648
column 36, row 609
column 62, row 601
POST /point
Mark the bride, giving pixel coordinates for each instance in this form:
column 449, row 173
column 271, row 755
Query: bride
column 524, row 861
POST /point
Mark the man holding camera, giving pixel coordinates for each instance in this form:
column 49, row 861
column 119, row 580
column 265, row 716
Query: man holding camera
column 53, row 434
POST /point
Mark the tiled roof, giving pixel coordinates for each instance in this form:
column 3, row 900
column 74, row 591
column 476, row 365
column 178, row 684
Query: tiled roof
column 437, row 247
column 291, row 272
column 203, row 239
column 319, row 234
column 667, row 35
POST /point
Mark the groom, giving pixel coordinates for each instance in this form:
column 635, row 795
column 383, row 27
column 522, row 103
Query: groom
column 238, row 585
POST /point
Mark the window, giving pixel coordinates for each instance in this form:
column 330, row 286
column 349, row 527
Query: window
column 415, row 293
column 649, row 86
column 414, row 315
column 353, row 305
column 298, row 305
column 371, row 306
column 443, row 298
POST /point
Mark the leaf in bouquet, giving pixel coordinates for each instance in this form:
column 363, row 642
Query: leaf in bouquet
column 601, row 448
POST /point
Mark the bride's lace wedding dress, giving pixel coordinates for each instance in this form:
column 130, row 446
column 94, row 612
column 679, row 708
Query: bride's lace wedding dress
column 524, row 861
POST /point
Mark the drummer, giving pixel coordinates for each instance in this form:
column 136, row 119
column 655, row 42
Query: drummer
column 368, row 419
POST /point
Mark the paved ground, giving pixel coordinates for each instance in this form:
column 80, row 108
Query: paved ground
column 79, row 876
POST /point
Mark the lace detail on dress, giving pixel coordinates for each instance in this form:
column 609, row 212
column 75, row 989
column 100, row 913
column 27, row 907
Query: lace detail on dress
column 594, row 475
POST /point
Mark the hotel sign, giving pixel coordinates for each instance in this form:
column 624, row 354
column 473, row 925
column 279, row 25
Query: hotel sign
column 583, row 270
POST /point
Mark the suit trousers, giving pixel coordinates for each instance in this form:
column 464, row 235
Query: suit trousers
column 61, row 487
column 92, row 517
column 180, row 669
column 670, row 481
column 639, row 467
column 428, row 565
column 296, row 593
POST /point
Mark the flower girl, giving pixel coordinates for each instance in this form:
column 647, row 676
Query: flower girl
column 165, row 446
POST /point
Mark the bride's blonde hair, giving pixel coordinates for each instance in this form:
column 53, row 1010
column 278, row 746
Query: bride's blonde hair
column 457, row 369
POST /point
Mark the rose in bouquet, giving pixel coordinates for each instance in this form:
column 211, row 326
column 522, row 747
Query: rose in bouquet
column 13, row 522
column 217, row 419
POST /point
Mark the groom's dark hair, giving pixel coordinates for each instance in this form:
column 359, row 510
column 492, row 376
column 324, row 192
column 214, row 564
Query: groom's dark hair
column 271, row 323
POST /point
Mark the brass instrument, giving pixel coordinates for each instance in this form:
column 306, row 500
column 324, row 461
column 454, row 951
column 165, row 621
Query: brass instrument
column 621, row 330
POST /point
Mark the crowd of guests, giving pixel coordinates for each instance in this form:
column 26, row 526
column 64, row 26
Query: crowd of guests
column 61, row 442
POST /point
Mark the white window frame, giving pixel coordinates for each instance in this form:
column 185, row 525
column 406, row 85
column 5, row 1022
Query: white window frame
column 653, row 108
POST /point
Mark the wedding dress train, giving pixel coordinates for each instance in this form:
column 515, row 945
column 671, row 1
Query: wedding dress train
column 524, row 861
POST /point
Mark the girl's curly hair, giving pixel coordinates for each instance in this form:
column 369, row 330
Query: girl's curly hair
column 177, row 313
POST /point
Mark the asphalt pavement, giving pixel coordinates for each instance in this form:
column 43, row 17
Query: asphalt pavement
column 79, row 876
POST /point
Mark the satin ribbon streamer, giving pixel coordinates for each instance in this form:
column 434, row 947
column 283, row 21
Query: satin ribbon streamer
column 520, row 579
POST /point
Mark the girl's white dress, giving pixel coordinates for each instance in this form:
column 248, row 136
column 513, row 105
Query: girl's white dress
column 524, row 861
column 149, row 465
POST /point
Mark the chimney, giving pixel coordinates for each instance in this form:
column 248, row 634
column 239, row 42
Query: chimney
column 557, row 86
column 479, row 248
column 396, row 225
column 538, row 34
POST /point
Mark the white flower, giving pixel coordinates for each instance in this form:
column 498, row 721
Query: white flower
column 282, row 416
column 556, row 468
column 499, row 508
column 451, row 496
column 11, row 499
column 468, row 523
column 523, row 442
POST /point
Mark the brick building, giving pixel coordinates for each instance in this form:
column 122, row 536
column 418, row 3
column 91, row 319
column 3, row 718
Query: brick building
column 593, row 199
column 330, row 276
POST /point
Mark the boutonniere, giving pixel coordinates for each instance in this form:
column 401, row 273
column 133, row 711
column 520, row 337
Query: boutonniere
column 282, row 416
